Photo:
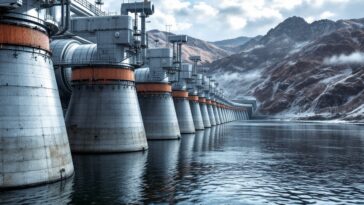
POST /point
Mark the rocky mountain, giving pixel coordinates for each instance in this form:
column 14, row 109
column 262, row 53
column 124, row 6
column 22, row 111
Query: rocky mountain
column 232, row 44
column 248, row 45
column 301, row 70
column 209, row 52
column 314, row 83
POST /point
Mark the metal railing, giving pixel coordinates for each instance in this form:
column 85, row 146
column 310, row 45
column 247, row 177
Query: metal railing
column 91, row 7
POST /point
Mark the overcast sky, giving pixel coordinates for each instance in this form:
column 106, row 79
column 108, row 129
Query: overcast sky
column 222, row 19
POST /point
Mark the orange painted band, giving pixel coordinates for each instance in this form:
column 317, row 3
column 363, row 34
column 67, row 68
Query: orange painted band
column 23, row 36
column 180, row 94
column 208, row 102
column 193, row 98
column 202, row 100
column 154, row 87
column 214, row 103
column 102, row 74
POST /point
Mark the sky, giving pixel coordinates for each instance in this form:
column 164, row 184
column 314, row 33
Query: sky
column 214, row 20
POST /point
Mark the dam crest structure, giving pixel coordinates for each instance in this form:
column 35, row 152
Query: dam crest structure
column 74, row 79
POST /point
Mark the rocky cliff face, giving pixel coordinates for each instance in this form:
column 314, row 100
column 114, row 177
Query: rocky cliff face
column 308, row 85
column 301, row 70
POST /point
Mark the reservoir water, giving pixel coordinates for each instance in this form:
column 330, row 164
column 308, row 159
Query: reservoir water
column 246, row 162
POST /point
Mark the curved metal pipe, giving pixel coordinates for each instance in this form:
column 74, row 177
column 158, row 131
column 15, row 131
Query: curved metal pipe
column 65, row 21
column 62, row 12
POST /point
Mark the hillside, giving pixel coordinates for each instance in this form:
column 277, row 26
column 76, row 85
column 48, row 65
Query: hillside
column 209, row 52
column 232, row 44
column 295, row 70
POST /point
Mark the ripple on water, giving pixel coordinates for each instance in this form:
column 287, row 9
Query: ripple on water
column 239, row 163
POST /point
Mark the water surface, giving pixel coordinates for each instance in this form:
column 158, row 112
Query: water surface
column 247, row 162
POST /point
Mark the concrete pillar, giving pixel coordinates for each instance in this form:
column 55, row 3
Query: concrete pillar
column 211, row 113
column 225, row 115
column 34, row 147
column 105, row 117
column 33, row 137
column 223, row 121
column 159, row 114
column 196, row 113
column 204, row 112
column 183, row 111
column 216, row 113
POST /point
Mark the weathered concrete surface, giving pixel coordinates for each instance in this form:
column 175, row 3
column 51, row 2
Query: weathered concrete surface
column 184, row 115
column 34, row 146
column 211, row 115
column 217, row 116
column 105, row 118
column 197, row 116
column 159, row 116
column 205, row 115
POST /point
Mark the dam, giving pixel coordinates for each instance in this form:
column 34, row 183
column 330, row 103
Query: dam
column 74, row 79
column 93, row 113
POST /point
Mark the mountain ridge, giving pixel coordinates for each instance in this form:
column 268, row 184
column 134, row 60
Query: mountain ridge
column 232, row 44
column 270, row 68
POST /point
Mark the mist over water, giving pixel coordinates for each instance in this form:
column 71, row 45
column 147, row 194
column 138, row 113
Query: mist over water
column 247, row 162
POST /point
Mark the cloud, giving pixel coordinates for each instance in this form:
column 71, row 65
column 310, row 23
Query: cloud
column 327, row 15
column 353, row 58
column 320, row 3
column 221, row 19
column 246, row 77
column 284, row 4
column 236, row 23
column 202, row 8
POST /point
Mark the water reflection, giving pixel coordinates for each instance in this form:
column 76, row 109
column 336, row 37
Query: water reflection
column 109, row 179
column 206, row 139
column 186, row 154
column 197, row 145
column 244, row 162
column 321, row 164
column 161, row 170
column 57, row 194
column 299, row 162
